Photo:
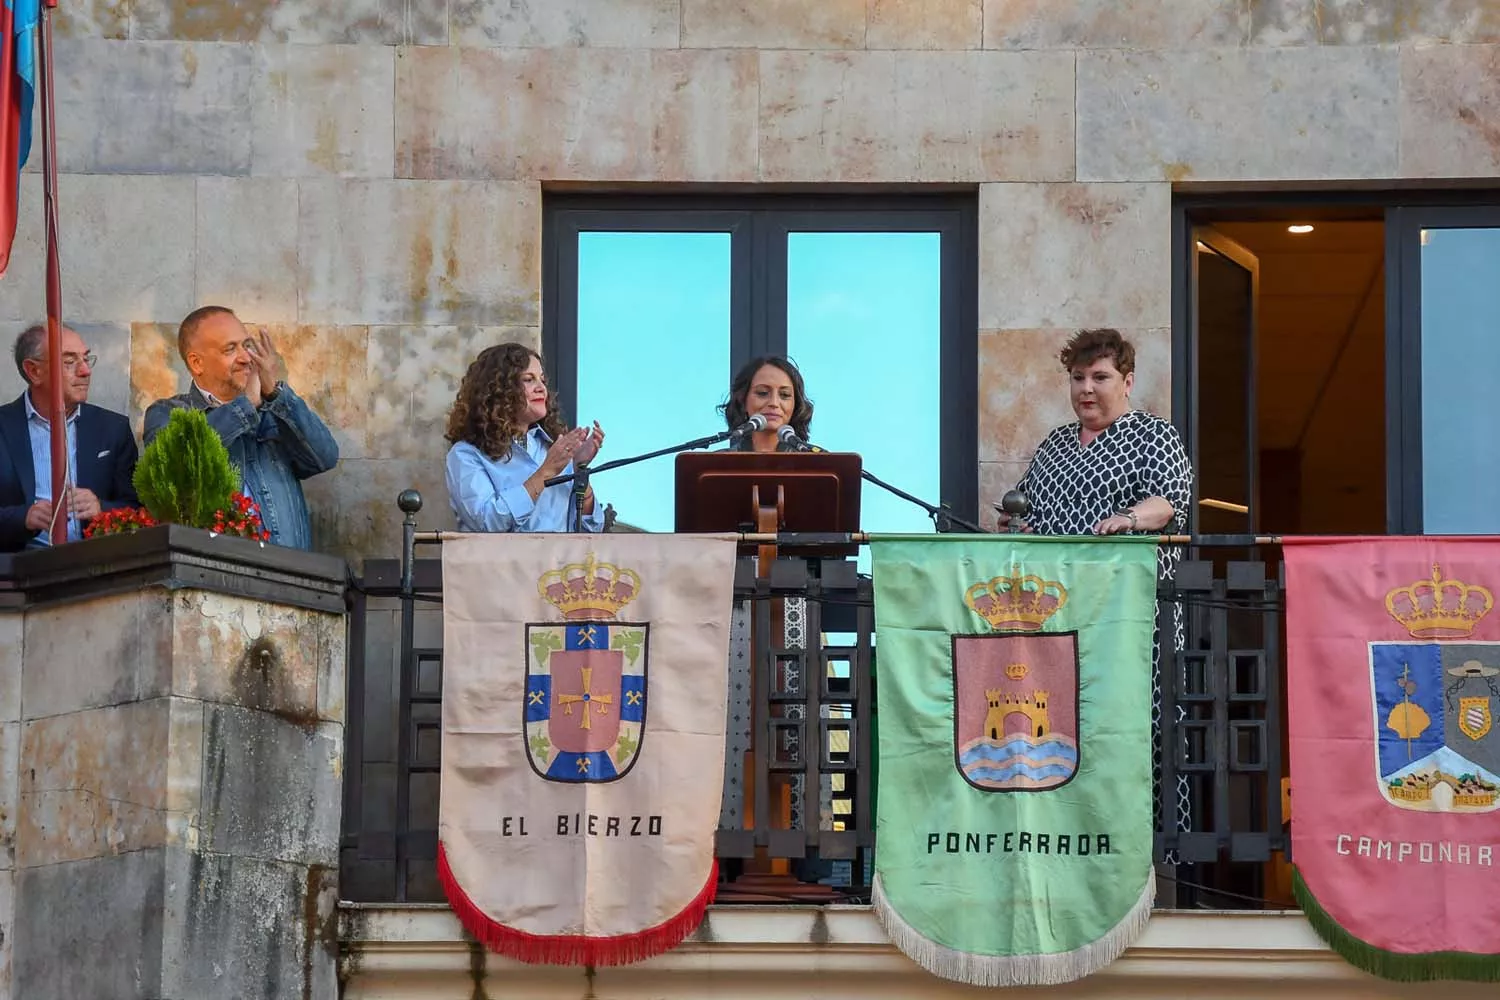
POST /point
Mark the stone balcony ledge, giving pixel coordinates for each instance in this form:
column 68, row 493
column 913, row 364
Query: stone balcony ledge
column 419, row 952
column 175, row 557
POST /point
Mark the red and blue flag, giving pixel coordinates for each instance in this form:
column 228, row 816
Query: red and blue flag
column 18, row 27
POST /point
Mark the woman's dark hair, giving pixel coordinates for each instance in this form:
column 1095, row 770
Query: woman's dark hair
column 490, row 396
column 734, row 409
column 1087, row 346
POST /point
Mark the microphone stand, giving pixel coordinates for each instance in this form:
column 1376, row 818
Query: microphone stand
column 581, row 473
column 942, row 518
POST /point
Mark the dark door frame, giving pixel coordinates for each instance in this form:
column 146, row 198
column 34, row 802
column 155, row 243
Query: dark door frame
column 1404, row 225
column 1404, row 214
column 1222, row 245
column 758, row 225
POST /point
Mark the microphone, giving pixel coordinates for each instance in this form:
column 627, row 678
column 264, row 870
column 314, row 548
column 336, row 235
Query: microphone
column 755, row 423
column 789, row 437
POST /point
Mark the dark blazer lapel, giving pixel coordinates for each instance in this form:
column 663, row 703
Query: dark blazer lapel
column 89, row 441
column 18, row 443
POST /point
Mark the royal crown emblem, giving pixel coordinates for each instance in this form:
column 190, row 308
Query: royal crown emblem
column 1439, row 608
column 1436, row 748
column 590, row 589
column 1016, row 603
column 586, row 676
column 1016, row 671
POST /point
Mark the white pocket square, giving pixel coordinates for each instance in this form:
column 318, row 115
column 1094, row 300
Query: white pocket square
column 103, row 453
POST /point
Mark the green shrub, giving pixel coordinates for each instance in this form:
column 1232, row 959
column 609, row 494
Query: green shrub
column 184, row 475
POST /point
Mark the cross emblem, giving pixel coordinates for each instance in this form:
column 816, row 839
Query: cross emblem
column 583, row 763
column 588, row 635
column 587, row 698
column 536, row 698
column 632, row 698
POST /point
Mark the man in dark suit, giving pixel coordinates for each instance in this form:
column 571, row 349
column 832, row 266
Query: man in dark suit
column 101, row 449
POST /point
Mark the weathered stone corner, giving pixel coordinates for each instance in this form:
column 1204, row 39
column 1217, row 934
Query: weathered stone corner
column 171, row 764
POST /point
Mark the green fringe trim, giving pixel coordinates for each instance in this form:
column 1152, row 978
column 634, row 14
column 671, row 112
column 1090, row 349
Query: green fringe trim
column 1392, row 965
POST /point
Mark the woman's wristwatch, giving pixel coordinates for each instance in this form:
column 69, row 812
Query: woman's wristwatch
column 1134, row 521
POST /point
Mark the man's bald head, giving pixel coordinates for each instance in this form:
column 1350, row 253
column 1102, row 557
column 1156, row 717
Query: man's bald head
column 187, row 330
column 214, row 346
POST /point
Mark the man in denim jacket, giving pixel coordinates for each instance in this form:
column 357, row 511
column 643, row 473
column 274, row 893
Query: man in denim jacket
column 273, row 437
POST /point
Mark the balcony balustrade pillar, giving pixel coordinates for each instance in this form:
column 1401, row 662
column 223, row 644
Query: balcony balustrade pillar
column 171, row 760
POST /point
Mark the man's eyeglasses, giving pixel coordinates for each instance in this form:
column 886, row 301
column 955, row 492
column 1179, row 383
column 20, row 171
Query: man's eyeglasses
column 71, row 363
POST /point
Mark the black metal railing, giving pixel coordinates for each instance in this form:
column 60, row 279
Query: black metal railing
column 797, row 820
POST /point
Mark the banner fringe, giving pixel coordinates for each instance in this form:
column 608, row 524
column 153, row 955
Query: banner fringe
column 1395, row 966
column 1014, row 970
column 571, row 949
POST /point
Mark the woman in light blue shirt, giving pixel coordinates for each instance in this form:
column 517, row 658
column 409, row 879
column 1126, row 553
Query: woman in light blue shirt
column 507, row 442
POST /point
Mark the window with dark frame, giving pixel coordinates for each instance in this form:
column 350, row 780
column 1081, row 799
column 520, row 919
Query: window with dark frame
column 1441, row 259
column 650, row 304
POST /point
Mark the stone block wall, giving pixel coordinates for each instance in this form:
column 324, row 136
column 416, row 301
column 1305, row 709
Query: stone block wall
column 366, row 176
column 171, row 769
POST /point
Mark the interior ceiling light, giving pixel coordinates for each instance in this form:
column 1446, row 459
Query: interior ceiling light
column 1299, row 229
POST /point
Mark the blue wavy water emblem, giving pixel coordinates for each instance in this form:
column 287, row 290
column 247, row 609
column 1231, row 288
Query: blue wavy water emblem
column 1019, row 761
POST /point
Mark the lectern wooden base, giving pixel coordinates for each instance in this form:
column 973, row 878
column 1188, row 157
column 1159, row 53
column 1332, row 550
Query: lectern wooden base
column 769, row 493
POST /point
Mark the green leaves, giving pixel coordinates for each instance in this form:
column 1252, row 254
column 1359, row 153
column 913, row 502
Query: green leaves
column 184, row 475
column 629, row 641
column 543, row 643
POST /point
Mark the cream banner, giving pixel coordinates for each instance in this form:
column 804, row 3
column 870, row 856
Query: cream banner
column 584, row 685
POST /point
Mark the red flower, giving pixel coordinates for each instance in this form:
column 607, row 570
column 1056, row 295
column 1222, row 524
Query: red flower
column 124, row 520
column 241, row 519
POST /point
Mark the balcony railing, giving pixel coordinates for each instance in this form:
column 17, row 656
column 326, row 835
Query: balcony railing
column 797, row 820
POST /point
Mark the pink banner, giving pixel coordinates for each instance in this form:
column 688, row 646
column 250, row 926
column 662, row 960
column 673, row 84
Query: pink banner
column 1393, row 671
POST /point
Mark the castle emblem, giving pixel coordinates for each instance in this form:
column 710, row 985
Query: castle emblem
column 1004, row 705
column 585, row 706
column 1015, row 688
column 1436, row 746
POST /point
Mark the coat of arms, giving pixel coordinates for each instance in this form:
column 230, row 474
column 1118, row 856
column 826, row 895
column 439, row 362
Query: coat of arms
column 1436, row 748
column 586, row 677
column 1015, row 689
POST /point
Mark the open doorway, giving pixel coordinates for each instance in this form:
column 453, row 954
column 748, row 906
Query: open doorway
column 1285, row 361
column 1290, row 428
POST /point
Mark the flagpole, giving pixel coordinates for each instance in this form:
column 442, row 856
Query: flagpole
column 57, row 415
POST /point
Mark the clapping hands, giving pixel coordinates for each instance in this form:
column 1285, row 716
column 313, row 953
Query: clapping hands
column 579, row 445
column 263, row 359
column 593, row 440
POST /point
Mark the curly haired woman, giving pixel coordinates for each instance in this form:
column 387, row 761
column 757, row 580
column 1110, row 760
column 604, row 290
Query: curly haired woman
column 507, row 442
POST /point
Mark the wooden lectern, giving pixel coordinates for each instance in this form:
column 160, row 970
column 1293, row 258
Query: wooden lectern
column 770, row 493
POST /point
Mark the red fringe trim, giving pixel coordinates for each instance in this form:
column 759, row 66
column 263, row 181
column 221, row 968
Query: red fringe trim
column 575, row 949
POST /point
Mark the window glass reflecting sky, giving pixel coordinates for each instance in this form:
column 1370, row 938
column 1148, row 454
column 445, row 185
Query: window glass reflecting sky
column 653, row 356
column 1460, row 354
column 863, row 314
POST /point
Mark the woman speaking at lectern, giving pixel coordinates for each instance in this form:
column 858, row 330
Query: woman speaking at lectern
column 769, row 387
column 508, row 440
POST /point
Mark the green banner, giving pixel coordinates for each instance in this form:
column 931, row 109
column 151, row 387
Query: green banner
column 1013, row 826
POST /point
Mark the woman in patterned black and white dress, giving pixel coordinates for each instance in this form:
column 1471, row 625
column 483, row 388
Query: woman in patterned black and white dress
column 1114, row 470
